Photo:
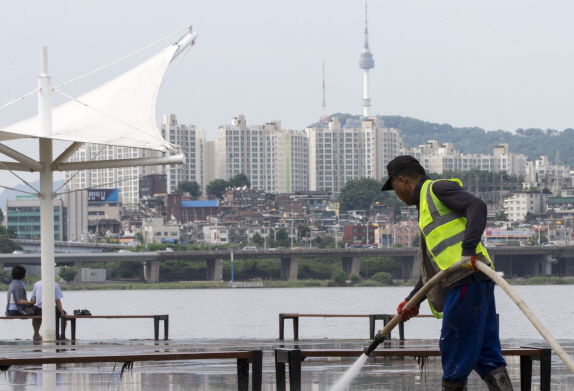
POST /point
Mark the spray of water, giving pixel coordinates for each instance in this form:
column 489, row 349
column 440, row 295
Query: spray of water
column 348, row 377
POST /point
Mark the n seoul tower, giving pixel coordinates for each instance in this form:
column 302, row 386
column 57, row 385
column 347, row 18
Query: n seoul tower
column 365, row 64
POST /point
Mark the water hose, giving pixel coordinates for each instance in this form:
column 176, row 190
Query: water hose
column 528, row 312
column 413, row 302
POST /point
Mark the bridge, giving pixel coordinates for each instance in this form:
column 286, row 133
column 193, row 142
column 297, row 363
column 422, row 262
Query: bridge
column 513, row 261
column 66, row 247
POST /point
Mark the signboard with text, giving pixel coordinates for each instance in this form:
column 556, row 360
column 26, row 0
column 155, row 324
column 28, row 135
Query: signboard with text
column 103, row 195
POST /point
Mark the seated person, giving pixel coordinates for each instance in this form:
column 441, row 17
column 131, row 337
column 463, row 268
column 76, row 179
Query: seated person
column 37, row 297
column 17, row 293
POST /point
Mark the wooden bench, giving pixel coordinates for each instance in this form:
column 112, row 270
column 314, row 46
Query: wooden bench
column 244, row 358
column 386, row 318
column 156, row 319
column 33, row 317
column 294, row 357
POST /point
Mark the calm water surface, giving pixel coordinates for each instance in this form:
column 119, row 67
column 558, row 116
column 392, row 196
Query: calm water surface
column 248, row 318
column 253, row 313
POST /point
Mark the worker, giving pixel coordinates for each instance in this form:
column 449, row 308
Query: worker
column 452, row 222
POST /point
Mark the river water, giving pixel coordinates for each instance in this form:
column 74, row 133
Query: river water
column 231, row 319
column 253, row 313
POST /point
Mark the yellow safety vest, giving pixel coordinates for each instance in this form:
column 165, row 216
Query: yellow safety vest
column 442, row 228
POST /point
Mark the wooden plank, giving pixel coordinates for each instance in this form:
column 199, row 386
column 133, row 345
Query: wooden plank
column 78, row 358
column 109, row 316
column 288, row 316
column 395, row 352
column 21, row 317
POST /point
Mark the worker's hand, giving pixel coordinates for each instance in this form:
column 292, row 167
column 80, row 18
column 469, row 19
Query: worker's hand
column 407, row 313
column 468, row 262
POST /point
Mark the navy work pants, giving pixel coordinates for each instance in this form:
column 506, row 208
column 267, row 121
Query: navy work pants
column 469, row 337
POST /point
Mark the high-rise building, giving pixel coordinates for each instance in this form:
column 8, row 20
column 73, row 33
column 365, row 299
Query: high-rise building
column 274, row 159
column 23, row 216
column 358, row 149
column 125, row 179
column 365, row 64
column 436, row 158
column 193, row 143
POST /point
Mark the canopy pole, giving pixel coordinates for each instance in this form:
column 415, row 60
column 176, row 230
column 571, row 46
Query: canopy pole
column 46, row 204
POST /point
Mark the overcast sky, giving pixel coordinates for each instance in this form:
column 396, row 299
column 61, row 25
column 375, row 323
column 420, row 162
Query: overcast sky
column 493, row 64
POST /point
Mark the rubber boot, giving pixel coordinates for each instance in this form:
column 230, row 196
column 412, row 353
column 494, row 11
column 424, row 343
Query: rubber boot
column 498, row 380
column 453, row 386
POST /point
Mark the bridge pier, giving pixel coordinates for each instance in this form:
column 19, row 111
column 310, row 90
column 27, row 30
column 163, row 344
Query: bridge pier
column 151, row 271
column 78, row 278
column 215, row 269
column 1, row 265
column 411, row 267
column 351, row 265
column 289, row 268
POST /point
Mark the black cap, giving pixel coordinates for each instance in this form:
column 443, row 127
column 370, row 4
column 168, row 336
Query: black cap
column 398, row 165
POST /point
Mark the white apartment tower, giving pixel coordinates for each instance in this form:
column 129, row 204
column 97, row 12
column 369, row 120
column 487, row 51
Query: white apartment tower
column 359, row 149
column 125, row 179
column 193, row 144
column 274, row 159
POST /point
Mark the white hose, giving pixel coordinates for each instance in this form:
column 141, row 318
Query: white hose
column 529, row 314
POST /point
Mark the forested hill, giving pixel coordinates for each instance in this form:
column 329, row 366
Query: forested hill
column 531, row 142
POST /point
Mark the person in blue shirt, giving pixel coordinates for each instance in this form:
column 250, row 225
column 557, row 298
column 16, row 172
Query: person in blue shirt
column 37, row 297
column 17, row 293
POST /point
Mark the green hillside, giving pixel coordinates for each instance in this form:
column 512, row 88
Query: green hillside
column 531, row 142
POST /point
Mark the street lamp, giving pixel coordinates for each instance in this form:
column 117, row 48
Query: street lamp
column 408, row 237
column 292, row 233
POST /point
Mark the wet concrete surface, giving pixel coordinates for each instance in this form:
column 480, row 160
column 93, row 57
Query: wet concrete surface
column 317, row 373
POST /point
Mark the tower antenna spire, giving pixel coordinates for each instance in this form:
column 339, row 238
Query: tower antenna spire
column 365, row 64
column 366, row 28
column 323, row 120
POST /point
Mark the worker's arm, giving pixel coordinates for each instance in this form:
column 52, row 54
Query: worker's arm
column 24, row 302
column 467, row 205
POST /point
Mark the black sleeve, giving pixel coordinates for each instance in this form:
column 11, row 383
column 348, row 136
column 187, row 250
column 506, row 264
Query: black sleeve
column 467, row 205
column 417, row 287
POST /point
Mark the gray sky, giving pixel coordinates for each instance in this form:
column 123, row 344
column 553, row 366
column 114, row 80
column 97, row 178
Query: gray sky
column 493, row 64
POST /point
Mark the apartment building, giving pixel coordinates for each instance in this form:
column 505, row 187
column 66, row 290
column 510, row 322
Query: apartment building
column 439, row 158
column 125, row 179
column 519, row 204
column 274, row 159
column 193, row 144
column 358, row 149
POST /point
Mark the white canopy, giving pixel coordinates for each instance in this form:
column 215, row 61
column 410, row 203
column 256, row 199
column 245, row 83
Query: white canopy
column 120, row 112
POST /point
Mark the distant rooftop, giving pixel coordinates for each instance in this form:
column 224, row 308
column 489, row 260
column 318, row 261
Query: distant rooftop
column 200, row 204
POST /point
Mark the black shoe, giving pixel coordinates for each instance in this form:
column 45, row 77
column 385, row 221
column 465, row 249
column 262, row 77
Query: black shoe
column 77, row 312
column 453, row 386
column 498, row 380
column 86, row 312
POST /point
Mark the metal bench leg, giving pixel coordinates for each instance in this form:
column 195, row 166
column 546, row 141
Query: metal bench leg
column 295, row 370
column 280, row 374
column 545, row 369
column 63, row 326
column 371, row 326
column 57, row 327
column 402, row 330
column 243, row 374
column 156, row 327
column 296, row 328
column 256, row 370
column 281, row 327
column 166, row 327
column 525, row 373
column 73, row 325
